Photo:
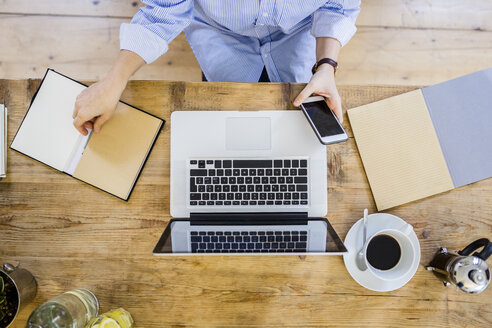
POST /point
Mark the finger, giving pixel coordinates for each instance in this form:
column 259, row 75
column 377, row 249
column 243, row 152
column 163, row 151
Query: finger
column 78, row 124
column 335, row 104
column 305, row 93
column 76, row 108
column 89, row 125
column 98, row 123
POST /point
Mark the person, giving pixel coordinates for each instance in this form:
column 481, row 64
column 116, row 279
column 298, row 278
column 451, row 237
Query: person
column 233, row 41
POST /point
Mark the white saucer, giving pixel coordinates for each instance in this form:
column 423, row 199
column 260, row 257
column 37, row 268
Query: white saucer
column 354, row 242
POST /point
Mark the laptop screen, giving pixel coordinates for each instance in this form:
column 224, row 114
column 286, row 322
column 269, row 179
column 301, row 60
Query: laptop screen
column 239, row 237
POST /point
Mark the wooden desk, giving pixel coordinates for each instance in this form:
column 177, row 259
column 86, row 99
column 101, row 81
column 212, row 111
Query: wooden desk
column 71, row 235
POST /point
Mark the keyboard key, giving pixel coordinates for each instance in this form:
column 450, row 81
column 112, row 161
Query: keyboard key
column 269, row 202
column 300, row 180
column 278, row 202
column 287, row 163
column 207, row 180
column 301, row 188
column 198, row 172
column 222, row 239
column 295, row 163
column 267, row 188
column 201, row 164
column 302, row 172
column 196, row 239
column 254, row 196
column 195, row 196
column 303, row 238
column 202, row 203
column 269, row 172
column 261, row 202
column 261, row 172
column 275, row 188
column 220, row 172
column 283, row 245
column 303, row 163
column 249, row 180
column 277, row 163
column 301, row 245
column 242, row 246
column 285, row 172
column 211, row 173
column 210, row 188
column 227, row 203
column 205, row 196
column 276, row 172
column 194, row 233
column 286, row 202
column 279, row 195
column 236, row 172
column 281, row 180
column 251, row 246
column 209, row 161
column 193, row 162
column 244, row 202
column 234, row 188
column 218, row 164
column 304, row 202
column 236, row 203
column 274, row 245
column 242, row 188
column 215, row 180
column 228, row 172
column 287, row 196
column 244, row 172
column 258, row 246
column 252, row 172
column 293, row 171
column 193, row 187
column 283, row 187
column 304, row 195
column 213, row 196
column 210, row 246
column 227, row 164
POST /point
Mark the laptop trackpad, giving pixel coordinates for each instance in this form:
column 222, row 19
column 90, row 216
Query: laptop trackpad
column 248, row 133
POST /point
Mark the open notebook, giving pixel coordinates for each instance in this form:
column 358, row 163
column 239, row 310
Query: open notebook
column 426, row 141
column 110, row 160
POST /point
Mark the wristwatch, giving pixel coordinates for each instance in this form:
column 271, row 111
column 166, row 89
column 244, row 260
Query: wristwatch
column 328, row 61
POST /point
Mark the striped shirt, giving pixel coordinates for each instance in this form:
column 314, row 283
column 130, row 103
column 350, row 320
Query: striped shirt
column 234, row 39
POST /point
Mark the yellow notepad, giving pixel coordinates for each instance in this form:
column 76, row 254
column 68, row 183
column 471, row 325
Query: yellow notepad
column 110, row 160
column 400, row 150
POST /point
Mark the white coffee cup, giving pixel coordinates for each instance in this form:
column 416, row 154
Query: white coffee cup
column 407, row 255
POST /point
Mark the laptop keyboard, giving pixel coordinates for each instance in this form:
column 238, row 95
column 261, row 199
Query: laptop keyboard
column 245, row 182
column 248, row 241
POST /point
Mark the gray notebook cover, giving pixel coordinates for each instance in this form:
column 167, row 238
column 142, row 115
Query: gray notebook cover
column 461, row 111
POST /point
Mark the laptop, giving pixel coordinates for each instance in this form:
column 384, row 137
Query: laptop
column 247, row 182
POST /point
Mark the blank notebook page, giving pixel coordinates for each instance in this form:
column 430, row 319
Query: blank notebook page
column 400, row 150
column 47, row 133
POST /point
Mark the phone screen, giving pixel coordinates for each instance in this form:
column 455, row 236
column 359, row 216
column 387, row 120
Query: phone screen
column 323, row 118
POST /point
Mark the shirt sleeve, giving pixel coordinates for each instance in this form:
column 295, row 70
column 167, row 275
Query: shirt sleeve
column 153, row 27
column 336, row 19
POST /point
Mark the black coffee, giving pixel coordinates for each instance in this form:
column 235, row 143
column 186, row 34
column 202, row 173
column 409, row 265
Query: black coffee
column 383, row 252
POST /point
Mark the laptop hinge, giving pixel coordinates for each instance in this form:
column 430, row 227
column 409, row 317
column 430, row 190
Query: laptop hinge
column 289, row 218
column 249, row 216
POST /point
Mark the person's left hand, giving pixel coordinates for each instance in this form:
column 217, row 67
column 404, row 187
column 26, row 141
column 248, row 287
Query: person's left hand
column 322, row 83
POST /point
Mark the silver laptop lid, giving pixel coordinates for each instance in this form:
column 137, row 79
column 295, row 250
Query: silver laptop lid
column 241, row 135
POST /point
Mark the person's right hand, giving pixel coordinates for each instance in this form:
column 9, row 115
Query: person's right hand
column 95, row 105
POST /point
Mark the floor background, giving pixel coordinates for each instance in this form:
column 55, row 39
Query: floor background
column 398, row 42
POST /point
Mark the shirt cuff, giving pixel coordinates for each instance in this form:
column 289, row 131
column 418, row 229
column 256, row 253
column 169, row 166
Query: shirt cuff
column 334, row 25
column 142, row 41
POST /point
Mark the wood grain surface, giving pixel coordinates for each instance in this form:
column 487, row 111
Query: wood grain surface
column 71, row 235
